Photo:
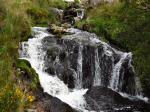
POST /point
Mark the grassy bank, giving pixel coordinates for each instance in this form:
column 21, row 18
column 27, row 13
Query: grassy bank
column 16, row 19
column 125, row 24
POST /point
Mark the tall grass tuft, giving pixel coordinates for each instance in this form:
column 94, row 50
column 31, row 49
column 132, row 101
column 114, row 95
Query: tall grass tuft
column 16, row 19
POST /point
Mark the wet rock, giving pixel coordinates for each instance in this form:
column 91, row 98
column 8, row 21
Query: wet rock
column 66, row 25
column 63, row 55
column 47, row 103
column 73, row 13
column 50, row 70
column 53, row 51
column 53, row 104
column 88, row 66
column 68, row 78
column 86, row 27
column 128, row 82
column 69, row 19
column 84, row 38
column 56, row 29
column 58, row 13
column 104, row 99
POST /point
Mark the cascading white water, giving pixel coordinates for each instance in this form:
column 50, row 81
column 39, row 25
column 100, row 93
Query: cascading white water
column 79, row 69
column 106, row 49
column 80, row 13
column 137, row 82
column 86, row 44
column 32, row 51
column 97, row 78
column 114, row 82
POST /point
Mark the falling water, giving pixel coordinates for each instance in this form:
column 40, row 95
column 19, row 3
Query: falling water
column 80, row 13
column 97, row 78
column 91, row 62
column 114, row 82
column 34, row 53
column 79, row 69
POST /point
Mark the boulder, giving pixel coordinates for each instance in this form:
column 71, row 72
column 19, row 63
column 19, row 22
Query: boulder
column 66, row 25
column 73, row 13
column 104, row 99
column 58, row 13
column 56, row 29
column 53, row 104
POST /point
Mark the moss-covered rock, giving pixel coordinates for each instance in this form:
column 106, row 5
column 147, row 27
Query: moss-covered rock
column 28, row 73
column 56, row 29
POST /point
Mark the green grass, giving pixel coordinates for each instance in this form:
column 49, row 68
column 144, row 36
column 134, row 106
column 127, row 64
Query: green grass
column 30, row 73
column 40, row 13
column 16, row 19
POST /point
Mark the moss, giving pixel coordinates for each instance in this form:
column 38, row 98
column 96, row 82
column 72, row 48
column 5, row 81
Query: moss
column 30, row 73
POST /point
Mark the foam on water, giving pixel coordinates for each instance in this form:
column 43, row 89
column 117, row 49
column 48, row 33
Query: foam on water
column 137, row 97
column 33, row 52
column 116, row 72
column 69, row 0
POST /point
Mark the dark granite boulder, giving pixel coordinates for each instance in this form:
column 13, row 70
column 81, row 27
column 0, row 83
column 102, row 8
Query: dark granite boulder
column 104, row 99
column 52, row 104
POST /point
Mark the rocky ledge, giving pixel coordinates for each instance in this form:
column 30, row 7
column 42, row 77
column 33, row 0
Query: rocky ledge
column 104, row 99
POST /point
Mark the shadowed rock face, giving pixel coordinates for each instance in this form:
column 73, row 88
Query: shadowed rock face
column 52, row 104
column 104, row 99
column 79, row 59
column 73, row 13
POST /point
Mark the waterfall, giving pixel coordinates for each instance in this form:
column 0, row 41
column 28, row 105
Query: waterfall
column 33, row 51
column 97, row 78
column 114, row 82
column 79, row 69
column 69, row 66
column 81, row 13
